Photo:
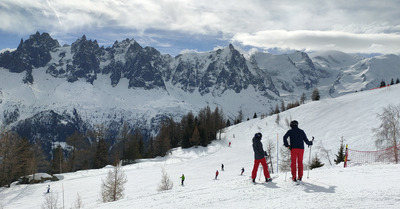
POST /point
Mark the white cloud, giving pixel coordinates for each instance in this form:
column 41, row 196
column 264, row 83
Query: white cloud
column 322, row 40
column 363, row 25
column 6, row 49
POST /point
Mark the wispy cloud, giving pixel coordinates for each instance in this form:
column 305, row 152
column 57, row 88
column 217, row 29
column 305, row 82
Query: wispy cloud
column 321, row 40
column 361, row 25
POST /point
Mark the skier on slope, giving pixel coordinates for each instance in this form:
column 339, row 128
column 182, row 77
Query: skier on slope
column 259, row 154
column 183, row 179
column 242, row 171
column 216, row 174
column 297, row 138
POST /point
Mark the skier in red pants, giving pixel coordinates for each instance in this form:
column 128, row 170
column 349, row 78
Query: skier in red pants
column 259, row 154
column 296, row 146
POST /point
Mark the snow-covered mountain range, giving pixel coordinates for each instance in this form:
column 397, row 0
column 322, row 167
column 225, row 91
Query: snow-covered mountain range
column 48, row 91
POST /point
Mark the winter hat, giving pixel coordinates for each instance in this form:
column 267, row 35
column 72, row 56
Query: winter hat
column 294, row 123
column 258, row 135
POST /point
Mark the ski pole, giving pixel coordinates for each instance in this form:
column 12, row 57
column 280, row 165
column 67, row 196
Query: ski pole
column 309, row 160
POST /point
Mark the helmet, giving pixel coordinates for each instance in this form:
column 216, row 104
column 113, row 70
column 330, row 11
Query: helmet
column 294, row 123
column 258, row 135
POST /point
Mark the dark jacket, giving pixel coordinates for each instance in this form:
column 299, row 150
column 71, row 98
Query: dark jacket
column 297, row 136
column 258, row 148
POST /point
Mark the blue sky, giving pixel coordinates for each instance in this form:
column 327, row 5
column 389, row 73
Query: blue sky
column 175, row 26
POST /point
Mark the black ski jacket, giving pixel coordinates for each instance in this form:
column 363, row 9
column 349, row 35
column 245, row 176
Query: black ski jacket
column 297, row 136
column 258, row 148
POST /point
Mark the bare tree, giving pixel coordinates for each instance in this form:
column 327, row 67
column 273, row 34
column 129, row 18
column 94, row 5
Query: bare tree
column 166, row 183
column 285, row 159
column 112, row 188
column 270, row 149
column 51, row 201
column 303, row 98
column 277, row 119
column 287, row 121
column 325, row 152
column 388, row 132
column 15, row 158
column 78, row 202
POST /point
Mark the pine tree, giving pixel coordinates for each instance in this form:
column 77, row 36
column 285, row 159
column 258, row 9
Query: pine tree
column 276, row 109
column 316, row 162
column 132, row 150
column 341, row 153
column 397, row 80
column 383, row 84
column 255, row 115
column 187, row 125
column 195, row 139
column 239, row 118
column 315, row 95
column 57, row 160
column 101, row 152
column 392, row 82
column 101, row 155
column 162, row 142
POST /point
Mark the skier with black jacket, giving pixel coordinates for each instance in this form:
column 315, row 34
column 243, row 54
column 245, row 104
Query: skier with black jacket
column 259, row 154
column 297, row 138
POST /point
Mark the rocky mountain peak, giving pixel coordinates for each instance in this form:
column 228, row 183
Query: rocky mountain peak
column 32, row 53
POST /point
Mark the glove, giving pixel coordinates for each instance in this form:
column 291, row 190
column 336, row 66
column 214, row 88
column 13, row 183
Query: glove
column 265, row 153
column 290, row 148
column 310, row 144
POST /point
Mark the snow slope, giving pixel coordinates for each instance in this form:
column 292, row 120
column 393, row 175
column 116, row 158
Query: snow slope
column 352, row 116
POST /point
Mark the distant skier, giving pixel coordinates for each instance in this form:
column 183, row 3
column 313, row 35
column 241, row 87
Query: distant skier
column 259, row 154
column 229, row 143
column 296, row 146
column 242, row 171
column 222, row 167
column 216, row 174
column 182, row 179
column 48, row 189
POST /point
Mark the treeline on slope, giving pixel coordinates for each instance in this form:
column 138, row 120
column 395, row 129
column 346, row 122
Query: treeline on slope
column 383, row 83
column 20, row 158
column 191, row 131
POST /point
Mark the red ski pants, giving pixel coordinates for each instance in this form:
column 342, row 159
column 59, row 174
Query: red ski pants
column 255, row 168
column 296, row 156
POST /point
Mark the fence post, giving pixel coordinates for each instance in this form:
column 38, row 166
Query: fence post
column 345, row 157
column 277, row 153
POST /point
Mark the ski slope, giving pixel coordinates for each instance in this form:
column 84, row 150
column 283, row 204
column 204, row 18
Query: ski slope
column 352, row 117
